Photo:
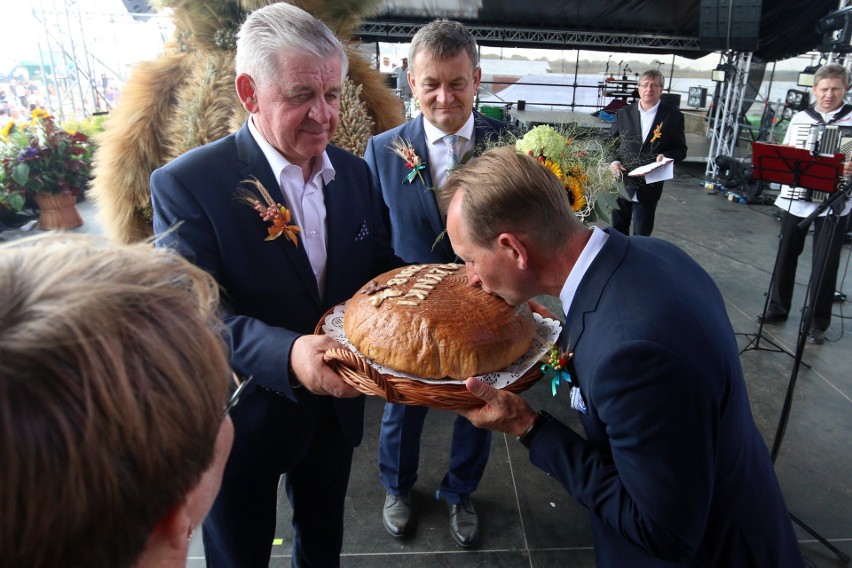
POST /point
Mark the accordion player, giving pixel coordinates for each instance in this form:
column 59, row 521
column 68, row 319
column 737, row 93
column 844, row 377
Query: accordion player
column 831, row 117
column 818, row 138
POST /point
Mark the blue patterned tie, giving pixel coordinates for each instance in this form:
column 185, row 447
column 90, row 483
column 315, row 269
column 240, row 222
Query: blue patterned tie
column 452, row 160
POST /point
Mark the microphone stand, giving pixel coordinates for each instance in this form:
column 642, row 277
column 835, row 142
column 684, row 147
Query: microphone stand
column 837, row 203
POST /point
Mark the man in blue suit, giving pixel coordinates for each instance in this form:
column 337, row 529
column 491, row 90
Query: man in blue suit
column 444, row 77
column 297, row 417
column 672, row 468
column 646, row 131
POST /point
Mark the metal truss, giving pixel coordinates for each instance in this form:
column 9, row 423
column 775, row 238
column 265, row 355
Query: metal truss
column 79, row 55
column 66, row 62
column 727, row 110
column 393, row 32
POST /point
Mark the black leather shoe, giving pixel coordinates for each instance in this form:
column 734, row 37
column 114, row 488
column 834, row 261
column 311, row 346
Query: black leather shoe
column 397, row 514
column 816, row 336
column 464, row 523
column 770, row 317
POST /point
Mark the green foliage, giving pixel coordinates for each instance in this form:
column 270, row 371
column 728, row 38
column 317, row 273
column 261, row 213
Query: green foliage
column 39, row 157
column 89, row 126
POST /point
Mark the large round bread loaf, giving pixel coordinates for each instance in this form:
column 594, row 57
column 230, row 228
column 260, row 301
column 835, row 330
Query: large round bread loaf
column 427, row 320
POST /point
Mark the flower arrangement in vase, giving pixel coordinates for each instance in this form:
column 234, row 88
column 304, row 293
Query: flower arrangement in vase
column 44, row 162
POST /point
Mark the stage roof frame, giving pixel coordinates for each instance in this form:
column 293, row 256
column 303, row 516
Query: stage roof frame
column 494, row 36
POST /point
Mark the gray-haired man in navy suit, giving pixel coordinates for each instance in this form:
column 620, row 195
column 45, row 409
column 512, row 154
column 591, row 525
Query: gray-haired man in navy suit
column 298, row 417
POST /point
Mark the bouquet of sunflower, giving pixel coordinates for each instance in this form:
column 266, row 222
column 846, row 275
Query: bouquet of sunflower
column 581, row 162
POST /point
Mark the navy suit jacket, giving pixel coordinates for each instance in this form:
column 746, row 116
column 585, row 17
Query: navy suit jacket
column 269, row 290
column 673, row 468
column 634, row 151
column 416, row 221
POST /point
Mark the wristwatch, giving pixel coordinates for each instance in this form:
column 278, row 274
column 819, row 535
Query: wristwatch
column 541, row 420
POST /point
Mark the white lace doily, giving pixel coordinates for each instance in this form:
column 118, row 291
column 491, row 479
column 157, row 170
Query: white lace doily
column 546, row 333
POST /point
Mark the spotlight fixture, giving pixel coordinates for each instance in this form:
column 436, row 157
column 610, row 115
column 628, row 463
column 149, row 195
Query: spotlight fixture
column 697, row 97
column 834, row 21
column 806, row 77
column 797, row 100
column 720, row 73
column 836, row 30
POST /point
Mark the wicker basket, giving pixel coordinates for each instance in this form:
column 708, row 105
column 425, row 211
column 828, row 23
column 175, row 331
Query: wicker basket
column 58, row 211
column 356, row 371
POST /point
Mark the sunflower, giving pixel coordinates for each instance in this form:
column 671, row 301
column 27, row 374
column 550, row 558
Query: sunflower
column 581, row 163
column 554, row 167
column 7, row 130
column 40, row 113
column 576, row 195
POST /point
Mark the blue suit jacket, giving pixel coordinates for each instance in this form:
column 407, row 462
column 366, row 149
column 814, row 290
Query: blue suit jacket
column 634, row 151
column 673, row 469
column 269, row 289
column 416, row 220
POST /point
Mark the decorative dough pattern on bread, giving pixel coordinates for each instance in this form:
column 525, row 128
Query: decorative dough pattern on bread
column 427, row 320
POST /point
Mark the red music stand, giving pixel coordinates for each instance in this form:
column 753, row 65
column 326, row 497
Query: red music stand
column 796, row 167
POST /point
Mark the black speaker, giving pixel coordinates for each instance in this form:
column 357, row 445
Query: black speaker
column 672, row 99
column 729, row 24
column 697, row 97
column 798, row 100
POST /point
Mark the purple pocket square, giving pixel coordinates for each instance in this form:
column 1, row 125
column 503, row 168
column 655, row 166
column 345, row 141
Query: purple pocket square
column 363, row 232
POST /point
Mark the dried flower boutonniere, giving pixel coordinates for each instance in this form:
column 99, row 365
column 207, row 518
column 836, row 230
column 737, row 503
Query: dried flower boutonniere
column 273, row 212
column 405, row 150
column 658, row 133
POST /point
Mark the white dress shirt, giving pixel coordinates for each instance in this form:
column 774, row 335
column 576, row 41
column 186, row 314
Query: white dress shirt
column 439, row 152
column 578, row 271
column 646, row 117
column 305, row 201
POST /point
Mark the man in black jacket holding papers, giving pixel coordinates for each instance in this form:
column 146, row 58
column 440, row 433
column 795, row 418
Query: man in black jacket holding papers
column 646, row 131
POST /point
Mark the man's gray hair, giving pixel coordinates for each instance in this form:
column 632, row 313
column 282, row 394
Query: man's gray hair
column 443, row 39
column 654, row 75
column 281, row 27
column 832, row 71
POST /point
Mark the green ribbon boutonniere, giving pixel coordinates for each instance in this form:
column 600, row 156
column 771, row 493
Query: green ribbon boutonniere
column 556, row 369
column 415, row 171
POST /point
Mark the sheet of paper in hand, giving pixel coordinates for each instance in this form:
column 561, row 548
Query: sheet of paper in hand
column 655, row 171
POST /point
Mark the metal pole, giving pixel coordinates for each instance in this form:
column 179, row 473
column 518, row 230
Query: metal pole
column 574, row 91
column 671, row 73
column 70, row 36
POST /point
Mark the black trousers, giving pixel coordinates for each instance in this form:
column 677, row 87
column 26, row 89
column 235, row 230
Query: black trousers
column 641, row 213
column 826, row 255
column 239, row 529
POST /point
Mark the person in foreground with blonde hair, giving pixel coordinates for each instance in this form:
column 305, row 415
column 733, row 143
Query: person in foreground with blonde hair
column 114, row 381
